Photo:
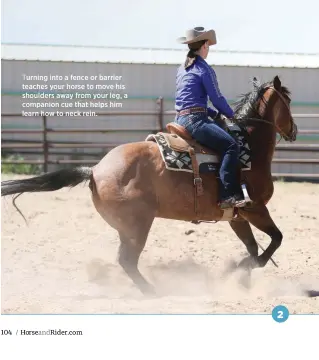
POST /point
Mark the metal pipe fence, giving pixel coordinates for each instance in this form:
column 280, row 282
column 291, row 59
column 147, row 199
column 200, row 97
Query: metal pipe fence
column 46, row 145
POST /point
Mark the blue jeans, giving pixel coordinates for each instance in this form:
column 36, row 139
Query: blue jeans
column 212, row 136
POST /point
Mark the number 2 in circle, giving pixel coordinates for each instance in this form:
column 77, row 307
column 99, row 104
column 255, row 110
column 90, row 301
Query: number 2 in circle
column 280, row 313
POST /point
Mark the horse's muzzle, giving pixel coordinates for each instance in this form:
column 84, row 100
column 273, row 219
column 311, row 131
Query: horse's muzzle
column 293, row 134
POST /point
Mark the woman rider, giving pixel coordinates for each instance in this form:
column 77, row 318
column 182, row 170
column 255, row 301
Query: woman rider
column 196, row 82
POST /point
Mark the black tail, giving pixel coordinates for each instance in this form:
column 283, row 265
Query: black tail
column 48, row 182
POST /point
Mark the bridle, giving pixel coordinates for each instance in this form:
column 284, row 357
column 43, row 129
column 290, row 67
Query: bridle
column 292, row 136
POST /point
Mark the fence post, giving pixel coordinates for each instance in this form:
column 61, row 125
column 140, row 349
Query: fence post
column 45, row 145
column 160, row 113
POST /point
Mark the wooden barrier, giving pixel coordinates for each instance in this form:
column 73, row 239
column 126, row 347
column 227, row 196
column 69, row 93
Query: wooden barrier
column 160, row 113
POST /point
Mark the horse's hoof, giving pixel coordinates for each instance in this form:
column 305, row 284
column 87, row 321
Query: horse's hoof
column 248, row 263
column 148, row 290
column 312, row 293
column 230, row 268
column 245, row 280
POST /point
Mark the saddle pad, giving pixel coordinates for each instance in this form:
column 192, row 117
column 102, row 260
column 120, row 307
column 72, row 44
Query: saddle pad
column 174, row 160
column 180, row 160
column 241, row 137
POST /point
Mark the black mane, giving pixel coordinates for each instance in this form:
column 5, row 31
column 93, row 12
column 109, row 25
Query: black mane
column 245, row 106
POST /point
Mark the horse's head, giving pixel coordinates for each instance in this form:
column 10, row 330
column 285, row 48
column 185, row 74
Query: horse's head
column 274, row 103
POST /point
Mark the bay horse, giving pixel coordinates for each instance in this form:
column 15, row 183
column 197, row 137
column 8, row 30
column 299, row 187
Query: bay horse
column 131, row 186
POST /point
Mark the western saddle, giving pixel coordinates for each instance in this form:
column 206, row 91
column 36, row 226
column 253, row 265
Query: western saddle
column 181, row 140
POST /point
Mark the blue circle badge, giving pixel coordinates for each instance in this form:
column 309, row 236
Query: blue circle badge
column 280, row 313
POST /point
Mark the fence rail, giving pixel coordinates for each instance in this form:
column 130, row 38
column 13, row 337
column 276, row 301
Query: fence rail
column 46, row 145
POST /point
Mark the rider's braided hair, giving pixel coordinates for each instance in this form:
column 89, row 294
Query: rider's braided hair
column 191, row 55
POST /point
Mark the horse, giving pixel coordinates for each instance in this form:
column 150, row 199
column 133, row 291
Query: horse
column 132, row 184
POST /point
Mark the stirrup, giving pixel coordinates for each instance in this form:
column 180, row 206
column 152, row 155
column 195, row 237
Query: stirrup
column 232, row 202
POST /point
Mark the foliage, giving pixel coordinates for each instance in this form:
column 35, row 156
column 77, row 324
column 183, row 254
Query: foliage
column 24, row 169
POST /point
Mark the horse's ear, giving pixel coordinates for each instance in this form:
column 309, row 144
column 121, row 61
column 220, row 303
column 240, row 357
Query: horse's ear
column 255, row 82
column 277, row 83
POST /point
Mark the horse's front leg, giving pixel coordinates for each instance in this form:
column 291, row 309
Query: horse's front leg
column 261, row 219
column 244, row 232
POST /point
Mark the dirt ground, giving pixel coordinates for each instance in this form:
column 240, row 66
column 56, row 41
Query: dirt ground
column 65, row 260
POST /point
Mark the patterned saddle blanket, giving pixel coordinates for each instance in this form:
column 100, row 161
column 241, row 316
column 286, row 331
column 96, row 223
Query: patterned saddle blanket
column 175, row 150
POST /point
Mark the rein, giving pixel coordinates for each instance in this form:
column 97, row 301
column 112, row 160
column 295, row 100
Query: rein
column 265, row 122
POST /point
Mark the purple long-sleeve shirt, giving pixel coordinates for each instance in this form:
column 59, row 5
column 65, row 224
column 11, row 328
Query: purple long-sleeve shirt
column 195, row 85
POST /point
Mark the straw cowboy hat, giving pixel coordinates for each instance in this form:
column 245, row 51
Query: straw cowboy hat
column 197, row 34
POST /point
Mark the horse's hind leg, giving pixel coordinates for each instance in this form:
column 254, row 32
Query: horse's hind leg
column 128, row 255
column 132, row 220
column 133, row 238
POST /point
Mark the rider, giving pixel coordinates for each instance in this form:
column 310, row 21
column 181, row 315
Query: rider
column 196, row 82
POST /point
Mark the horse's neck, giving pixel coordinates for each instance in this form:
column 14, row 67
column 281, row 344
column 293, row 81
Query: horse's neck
column 263, row 143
